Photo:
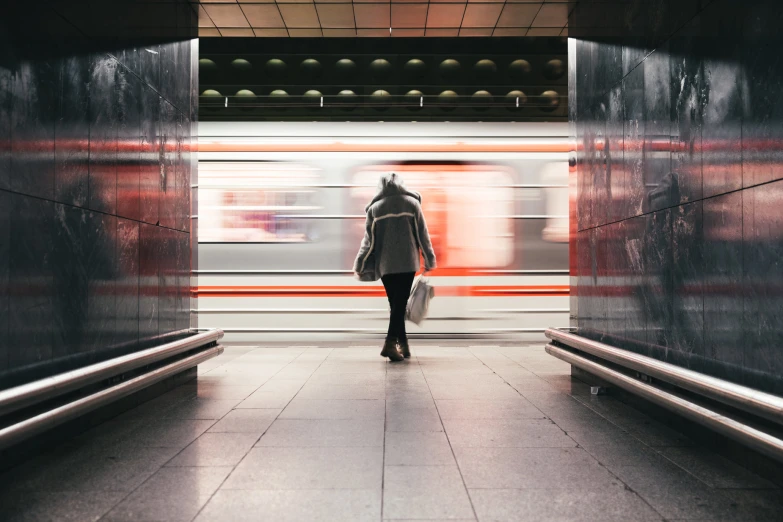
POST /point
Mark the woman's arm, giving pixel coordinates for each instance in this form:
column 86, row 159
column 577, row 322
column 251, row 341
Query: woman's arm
column 424, row 240
column 366, row 247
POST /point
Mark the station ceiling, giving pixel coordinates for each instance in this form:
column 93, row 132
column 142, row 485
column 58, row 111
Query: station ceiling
column 383, row 18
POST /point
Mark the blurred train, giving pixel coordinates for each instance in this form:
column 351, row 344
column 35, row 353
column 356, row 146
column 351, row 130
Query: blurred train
column 280, row 216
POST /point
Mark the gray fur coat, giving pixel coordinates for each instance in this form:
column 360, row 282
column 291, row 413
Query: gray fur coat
column 395, row 233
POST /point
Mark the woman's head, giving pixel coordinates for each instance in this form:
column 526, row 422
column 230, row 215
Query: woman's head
column 390, row 179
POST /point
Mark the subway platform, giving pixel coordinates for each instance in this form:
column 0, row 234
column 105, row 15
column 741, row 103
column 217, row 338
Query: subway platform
column 458, row 432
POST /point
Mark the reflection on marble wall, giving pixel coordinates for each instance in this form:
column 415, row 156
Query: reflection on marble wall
column 95, row 175
column 679, row 177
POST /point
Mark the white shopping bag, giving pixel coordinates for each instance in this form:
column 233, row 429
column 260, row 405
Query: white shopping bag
column 419, row 301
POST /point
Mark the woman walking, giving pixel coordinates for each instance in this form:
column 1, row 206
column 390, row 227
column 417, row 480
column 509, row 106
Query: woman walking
column 394, row 236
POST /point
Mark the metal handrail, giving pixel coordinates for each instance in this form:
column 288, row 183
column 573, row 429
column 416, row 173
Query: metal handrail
column 760, row 441
column 38, row 424
column 741, row 397
column 19, row 397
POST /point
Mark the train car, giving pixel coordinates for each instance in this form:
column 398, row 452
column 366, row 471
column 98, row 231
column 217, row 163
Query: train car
column 281, row 216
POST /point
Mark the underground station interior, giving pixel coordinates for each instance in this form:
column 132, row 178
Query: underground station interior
column 559, row 222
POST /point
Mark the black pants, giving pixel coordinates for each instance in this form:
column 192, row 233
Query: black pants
column 398, row 289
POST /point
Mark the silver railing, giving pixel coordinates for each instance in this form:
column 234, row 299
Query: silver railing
column 742, row 398
column 30, row 394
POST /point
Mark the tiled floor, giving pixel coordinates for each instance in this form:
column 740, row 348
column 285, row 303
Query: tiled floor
column 313, row 434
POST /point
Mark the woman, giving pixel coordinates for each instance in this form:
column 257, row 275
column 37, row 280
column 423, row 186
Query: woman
column 395, row 233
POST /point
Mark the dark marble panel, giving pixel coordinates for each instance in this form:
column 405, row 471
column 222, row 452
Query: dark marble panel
column 584, row 155
column 614, row 154
column 194, row 82
column 128, row 144
column 616, row 297
column 150, row 249
column 585, row 281
column 180, row 172
column 762, row 124
column 633, row 232
column 762, row 278
column 33, row 109
column 149, row 65
column 599, row 168
column 658, row 277
column 71, row 246
column 184, row 171
column 608, row 65
column 598, row 257
column 6, row 85
column 688, row 98
column 183, row 281
column 168, row 180
column 688, row 279
column 103, row 134
column 31, row 274
column 127, row 281
column 633, row 146
column 723, row 278
column 5, row 256
column 175, row 65
column 151, row 168
column 657, row 130
column 725, row 96
column 167, row 280
column 72, row 131
column 586, row 82
column 633, row 54
column 169, row 59
column 101, row 267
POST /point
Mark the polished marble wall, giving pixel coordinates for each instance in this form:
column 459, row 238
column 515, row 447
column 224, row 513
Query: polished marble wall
column 96, row 162
column 678, row 142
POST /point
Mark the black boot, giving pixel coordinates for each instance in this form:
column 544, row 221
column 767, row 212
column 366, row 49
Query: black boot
column 405, row 349
column 390, row 351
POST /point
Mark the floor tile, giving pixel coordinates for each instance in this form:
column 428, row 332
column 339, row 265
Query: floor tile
column 293, row 506
column 479, row 391
column 412, row 492
column 261, row 399
column 169, row 433
column 64, row 506
column 418, row 448
column 216, row 449
column 171, row 494
column 309, row 468
column 675, row 494
column 509, row 433
column 96, row 473
column 523, row 468
column 612, row 504
column 329, row 391
column 320, row 433
column 202, row 409
column 517, row 408
column 246, row 421
column 713, row 470
column 221, row 391
column 418, row 419
column 334, row 409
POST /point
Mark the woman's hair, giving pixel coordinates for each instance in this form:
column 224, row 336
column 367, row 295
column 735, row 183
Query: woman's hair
column 390, row 179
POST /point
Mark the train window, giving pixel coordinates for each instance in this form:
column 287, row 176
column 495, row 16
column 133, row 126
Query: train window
column 469, row 209
column 256, row 202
